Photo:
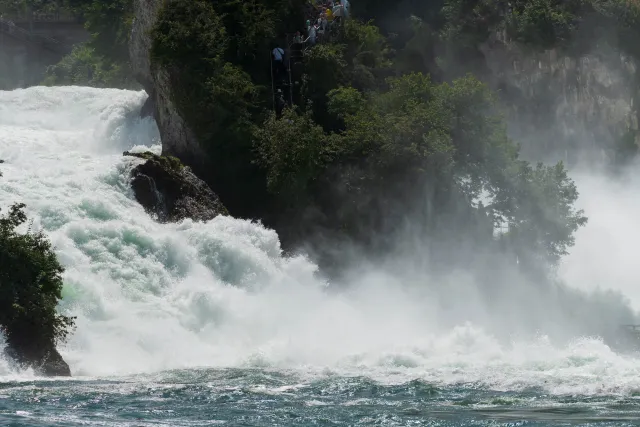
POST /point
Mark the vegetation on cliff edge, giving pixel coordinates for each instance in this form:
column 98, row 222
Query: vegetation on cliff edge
column 30, row 289
column 371, row 144
column 387, row 115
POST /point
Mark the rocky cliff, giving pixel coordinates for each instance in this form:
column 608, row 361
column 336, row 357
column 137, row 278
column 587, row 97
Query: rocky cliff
column 177, row 138
column 557, row 102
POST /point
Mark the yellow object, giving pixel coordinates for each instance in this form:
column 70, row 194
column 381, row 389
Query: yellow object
column 329, row 15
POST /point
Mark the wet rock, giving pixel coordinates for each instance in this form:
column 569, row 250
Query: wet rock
column 148, row 108
column 45, row 360
column 171, row 191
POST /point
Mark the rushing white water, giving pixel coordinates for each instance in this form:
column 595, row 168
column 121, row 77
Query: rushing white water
column 152, row 297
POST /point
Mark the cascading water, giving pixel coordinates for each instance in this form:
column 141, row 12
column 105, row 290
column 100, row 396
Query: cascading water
column 203, row 312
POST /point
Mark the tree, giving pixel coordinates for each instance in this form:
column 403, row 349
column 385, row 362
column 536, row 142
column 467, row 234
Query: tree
column 30, row 289
column 216, row 97
column 109, row 23
column 425, row 151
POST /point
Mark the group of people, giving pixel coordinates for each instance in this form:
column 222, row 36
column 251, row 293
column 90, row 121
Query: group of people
column 322, row 17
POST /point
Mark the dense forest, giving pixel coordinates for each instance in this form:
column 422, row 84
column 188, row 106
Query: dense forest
column 395, row 131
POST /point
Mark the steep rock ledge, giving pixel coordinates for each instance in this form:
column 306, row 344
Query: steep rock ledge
column 177, row 138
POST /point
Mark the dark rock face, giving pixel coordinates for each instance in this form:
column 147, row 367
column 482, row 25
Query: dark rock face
column 171, row 191
column 178, row 139
column 43, row 359
column 148, row 108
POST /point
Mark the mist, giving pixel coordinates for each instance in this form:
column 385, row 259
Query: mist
column 605, row 255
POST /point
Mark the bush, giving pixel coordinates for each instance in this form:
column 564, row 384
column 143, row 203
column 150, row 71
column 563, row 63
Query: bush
column 449, row 142
column 294, row 150
column 30, row 286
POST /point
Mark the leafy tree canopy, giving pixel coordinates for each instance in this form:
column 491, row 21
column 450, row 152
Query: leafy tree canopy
column 30, row 285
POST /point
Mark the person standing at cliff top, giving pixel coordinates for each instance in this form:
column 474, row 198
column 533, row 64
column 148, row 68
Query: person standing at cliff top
column 338, row 11
column 347, row 8
column 311, row 39
column 278, row 61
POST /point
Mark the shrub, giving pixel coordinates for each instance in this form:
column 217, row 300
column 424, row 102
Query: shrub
column 30, row 285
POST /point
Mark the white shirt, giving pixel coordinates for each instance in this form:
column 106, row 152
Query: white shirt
column 312, row 33
column 277, row 54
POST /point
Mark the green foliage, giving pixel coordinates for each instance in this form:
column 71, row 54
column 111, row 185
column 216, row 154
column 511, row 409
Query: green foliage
column 30, row 285
column 325, row 69
column 101, row 62
column 190, row 40
column 367, row 143
column 294, row 151
column 84, row 67
column 252, row 25
column 360, row 59
column 620, row 17
column 368, row 51
column 104, row 60
column 380, row 134
column 217, row 98
column 189, row 33
column 543, row 23
column 445, row 141
column 538, row 208
column 468, row 22
column 109, row 22
column 12, row 7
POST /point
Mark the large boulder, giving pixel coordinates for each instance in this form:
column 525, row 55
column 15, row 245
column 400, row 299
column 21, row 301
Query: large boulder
column 171, row 191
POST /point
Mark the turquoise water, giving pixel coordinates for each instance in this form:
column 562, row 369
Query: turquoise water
column 253, row 397
column 199, row 324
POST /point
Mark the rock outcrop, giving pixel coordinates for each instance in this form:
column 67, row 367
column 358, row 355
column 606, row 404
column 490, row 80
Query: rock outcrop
column 557, row 103
column 169, row 190
column 45, row 360
column 177, row 138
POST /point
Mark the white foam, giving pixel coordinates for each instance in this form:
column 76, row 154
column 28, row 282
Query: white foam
column 152, row 297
